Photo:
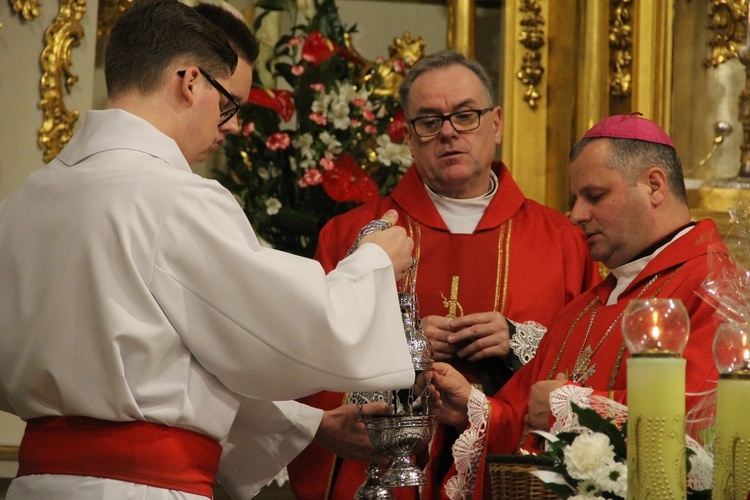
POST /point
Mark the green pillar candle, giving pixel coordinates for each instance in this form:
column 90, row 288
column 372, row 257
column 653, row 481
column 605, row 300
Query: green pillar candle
column 656, row 332
column 732, row 439
column 656, row 427
column 731, row 351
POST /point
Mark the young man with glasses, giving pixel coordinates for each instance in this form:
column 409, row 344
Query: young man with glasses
column 492, row 267
column 140, row 317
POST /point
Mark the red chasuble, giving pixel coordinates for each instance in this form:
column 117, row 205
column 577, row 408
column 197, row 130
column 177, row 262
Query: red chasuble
column 677, row 272
column 524, row 260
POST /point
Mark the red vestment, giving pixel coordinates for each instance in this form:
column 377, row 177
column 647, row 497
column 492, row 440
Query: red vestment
column 524, row 260
column 679, row 271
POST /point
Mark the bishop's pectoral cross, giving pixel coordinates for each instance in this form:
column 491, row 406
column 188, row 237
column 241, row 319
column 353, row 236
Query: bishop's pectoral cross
column 583, row 368
column 452, row 304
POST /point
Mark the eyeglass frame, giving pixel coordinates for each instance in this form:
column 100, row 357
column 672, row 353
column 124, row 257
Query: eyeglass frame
column 449, row 117
column 225, row 114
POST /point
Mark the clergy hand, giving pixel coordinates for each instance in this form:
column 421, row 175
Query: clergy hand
column 342, row 433
column 395, row 243
column 538, row 416
column 437, row 329
column 480, row 335
column 450, row 397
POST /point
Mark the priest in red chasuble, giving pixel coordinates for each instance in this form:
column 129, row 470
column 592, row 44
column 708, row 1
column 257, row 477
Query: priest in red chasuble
column 629, row 198
column 492, row 267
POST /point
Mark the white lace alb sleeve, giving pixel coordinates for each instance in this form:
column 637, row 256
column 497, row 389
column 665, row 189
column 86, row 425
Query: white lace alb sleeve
column 526, row 339
column 467, row 450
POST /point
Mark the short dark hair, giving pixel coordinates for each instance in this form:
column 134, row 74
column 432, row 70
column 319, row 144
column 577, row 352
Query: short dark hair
column 443, row 59
column 632, row 157
column 237, row 31
column 152, row 35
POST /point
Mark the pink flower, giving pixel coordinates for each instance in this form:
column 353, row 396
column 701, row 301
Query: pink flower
column 359, row 102
column 327, row 163
column 248, row 128
column 318, row 118
column 318, row 87
column 355, row 123
column 294, row 41
column 312, row 177
column 297, row 70
column 278, row 141
column 368, row 115
column 371, row 129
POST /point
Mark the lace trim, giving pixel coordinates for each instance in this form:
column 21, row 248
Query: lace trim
column 559, row 405
column 526, row 339
column 467, row 450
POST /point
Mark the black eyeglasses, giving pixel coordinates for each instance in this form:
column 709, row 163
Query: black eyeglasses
column 230, row 107
column 462, row 121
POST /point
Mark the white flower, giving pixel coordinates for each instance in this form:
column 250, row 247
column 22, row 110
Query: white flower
column 390, row 153
column 304, row 144
column 614, row 478
column 339, row 115
column 272, row 206
column 587, row 454
column 332, row 144
column 263, row 173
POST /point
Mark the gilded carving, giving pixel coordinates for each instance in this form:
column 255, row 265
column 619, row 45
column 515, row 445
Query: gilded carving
column 728, row 27
column 61, row 36
column 402, row 53
column 109, row 12
column 29, row 9
column 532, row 38
column 620, row 44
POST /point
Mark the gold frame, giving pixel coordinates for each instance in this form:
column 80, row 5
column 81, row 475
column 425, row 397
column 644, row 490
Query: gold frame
column 61, row 37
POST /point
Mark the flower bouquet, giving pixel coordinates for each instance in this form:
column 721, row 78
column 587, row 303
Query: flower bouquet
column 590, row 457
column 326, row 139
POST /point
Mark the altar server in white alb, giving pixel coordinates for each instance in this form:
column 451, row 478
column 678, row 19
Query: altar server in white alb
column 140, row 319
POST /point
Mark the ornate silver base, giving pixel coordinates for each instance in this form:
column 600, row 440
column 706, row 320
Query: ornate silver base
column 371, row 489
column 398, row 436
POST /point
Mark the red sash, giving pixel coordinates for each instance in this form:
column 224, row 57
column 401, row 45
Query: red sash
column 136, row 452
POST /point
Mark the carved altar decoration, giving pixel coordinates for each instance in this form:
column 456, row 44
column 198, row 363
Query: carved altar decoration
column 621, row 45
column 109, row 12
column 61, row 36
column 727, row 29
column 28, row 9
column 404, row 51
column 532, row 38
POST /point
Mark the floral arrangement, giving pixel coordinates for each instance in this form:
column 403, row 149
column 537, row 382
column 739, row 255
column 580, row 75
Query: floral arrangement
column 591, row 463
column 329, row 137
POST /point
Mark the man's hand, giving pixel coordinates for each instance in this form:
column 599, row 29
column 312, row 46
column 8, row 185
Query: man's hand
column 538, row 416
column 473, row 337
column 437, row 329
column 342, row 433
column 395, row 243
column 450, row 396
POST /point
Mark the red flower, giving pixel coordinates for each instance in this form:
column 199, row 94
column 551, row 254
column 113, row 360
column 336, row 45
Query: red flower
column 317, row 48
column 396, row 127
column 278, row 141
column 311, row 178
column 347, row 181
column 281, row 101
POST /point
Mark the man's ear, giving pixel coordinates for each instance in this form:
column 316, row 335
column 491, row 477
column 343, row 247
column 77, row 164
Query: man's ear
column 658, row 185
column 187, row 87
